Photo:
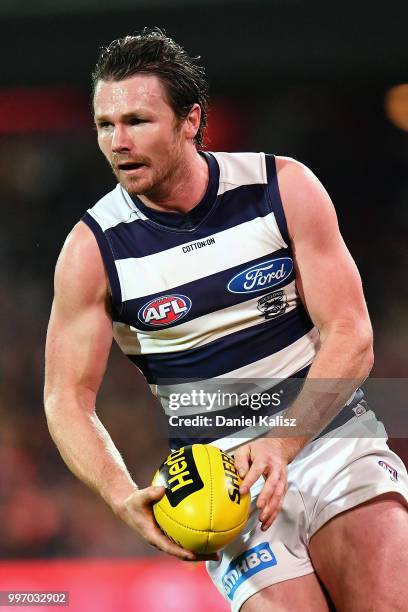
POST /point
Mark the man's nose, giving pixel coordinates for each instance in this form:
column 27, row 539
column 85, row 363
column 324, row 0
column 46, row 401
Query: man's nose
column 121, row 139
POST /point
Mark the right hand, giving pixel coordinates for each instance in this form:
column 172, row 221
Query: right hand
column 137, row 512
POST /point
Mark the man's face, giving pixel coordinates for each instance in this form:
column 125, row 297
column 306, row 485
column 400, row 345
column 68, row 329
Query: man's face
column 138, row 133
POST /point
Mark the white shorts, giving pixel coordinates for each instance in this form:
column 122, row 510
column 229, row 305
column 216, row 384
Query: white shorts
column 330, row 475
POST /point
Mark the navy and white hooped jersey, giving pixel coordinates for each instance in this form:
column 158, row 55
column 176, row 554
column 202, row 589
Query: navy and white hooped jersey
column 206, row 299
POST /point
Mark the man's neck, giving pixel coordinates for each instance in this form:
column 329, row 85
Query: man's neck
column 187, row 188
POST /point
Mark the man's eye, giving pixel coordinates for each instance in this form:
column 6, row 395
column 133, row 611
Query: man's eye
column 136, row 121
column 103, row 125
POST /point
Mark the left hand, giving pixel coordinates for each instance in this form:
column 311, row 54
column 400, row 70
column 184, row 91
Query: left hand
column 267, row 457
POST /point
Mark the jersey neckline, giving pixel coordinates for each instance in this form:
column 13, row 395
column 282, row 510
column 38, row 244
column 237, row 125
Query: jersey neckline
column 185, row 222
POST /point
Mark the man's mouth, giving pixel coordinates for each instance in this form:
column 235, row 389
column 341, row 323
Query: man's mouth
column 130, row 167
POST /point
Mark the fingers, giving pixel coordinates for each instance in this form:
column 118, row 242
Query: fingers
column 154, row 535
column 255, row 471
column 211, row 557
column 272, row 509
column 140, row 517
column 151, row 494
column 156, row 538
column 269, row 486
column 241, row 459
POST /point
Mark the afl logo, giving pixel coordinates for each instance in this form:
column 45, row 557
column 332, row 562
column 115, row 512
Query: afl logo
column 261, row 276
column 164, row 310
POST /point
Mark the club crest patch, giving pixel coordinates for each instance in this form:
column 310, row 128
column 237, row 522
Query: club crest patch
column 273, row 304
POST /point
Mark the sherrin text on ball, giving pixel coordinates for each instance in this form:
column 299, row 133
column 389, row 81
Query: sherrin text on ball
column 202, row 509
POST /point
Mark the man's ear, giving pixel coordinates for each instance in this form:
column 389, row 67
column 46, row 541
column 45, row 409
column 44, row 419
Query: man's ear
column 192, row 121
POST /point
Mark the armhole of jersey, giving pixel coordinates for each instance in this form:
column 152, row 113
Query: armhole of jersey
column 108, row 260
column 275, row 197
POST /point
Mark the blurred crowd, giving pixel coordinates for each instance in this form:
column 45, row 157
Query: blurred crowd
column 47, row 181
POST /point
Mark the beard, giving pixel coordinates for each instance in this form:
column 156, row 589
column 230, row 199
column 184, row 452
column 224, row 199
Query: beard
column 154, row 181
column 135, row 185
column 157, row 176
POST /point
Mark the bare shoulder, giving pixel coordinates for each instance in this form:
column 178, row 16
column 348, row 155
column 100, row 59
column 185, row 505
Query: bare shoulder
column 80, row 272
column 306, row 203
column 80, row 329
column 293, row 173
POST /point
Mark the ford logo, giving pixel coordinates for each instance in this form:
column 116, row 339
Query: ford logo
column 261, row 276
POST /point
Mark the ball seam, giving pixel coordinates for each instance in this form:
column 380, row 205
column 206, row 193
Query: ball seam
column 200, row 530
column 211, row 497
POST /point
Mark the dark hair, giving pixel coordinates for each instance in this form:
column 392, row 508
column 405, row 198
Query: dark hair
column 153, row 52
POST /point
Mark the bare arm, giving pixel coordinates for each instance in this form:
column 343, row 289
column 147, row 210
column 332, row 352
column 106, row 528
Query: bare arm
column 327, row 277
column 78, row 344
column 330, row 287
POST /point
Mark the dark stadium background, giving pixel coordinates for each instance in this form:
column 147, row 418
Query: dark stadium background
column 312, row 80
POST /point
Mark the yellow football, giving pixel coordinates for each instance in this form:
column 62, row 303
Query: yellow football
column 202, row 509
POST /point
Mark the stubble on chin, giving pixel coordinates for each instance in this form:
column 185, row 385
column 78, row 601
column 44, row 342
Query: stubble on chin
column 132, row 185
column 134, row 188
column 155, row 185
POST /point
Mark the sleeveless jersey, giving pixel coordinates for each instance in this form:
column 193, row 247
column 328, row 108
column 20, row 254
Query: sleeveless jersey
column 211, row 305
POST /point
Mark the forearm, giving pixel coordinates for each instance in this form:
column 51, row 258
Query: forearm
column 342, row 363
column 88, row 450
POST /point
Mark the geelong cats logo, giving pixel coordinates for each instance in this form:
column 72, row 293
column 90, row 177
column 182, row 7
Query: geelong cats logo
column 273, row 304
